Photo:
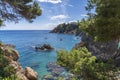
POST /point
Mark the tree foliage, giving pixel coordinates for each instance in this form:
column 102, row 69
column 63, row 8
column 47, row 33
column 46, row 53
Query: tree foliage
column 104, row 23
column 72, row 28
column 7, row 72
column 14, row 10
column 85, row 66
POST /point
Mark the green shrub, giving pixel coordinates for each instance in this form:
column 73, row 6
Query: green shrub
column 6, row 72
column 85, row 66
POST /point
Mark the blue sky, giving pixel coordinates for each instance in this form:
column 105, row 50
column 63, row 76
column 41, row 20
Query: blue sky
column 53, row 13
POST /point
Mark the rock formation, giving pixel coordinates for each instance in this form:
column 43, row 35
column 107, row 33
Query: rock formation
column 56, row 71
column 67, row 28
column 102, row 51
column 12, row 56
column 44, row 47
column 30, row 74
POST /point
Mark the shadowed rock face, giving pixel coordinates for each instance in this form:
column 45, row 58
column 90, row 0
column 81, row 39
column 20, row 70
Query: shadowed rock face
column 12, row 56
column 102, row 51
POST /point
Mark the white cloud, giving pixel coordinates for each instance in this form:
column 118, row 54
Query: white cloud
column 59, row 17
column 84, row 15
column 51, row 1
column 50, row 26
column 72, row 21
column 70, row 5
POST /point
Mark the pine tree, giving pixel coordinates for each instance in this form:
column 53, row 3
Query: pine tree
column 104, row 23
column 14, row 10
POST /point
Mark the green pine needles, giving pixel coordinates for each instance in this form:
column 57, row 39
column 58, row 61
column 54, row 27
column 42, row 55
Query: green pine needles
column 85, row 66
column 7, row 72
column 104, row 23
column 15, row 10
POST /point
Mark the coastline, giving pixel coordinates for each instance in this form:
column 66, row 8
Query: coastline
column 37, row 59
column 12, row 55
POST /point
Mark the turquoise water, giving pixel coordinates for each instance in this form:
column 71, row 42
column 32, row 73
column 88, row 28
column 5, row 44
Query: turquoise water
column 25, row 40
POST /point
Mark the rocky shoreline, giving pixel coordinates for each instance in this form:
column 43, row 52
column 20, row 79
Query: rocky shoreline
column 103, row 51
column 67, row 28
column 57, row 72
column 12, row 56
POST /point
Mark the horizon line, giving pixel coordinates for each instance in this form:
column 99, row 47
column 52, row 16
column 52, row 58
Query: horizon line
column 24, row 30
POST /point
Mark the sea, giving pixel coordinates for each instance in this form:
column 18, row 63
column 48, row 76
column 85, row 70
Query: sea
column 26, row 40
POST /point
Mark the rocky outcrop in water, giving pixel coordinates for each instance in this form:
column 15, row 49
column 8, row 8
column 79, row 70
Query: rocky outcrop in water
column 56, row 72
column 55, row 69
column 12, row 56
column 44, row 47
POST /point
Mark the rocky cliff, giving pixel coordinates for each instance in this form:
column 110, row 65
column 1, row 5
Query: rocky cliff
column 12, row 55
column 102, row 51
column 67, row 28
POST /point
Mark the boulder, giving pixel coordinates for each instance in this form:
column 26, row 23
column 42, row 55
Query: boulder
column 11, row 53
column 21, row 76
column 31, row 74
column 48, row 77
column 54, row 68
column 44, row 47
column 15, row 65
column 12, row 56
column 56, row 72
